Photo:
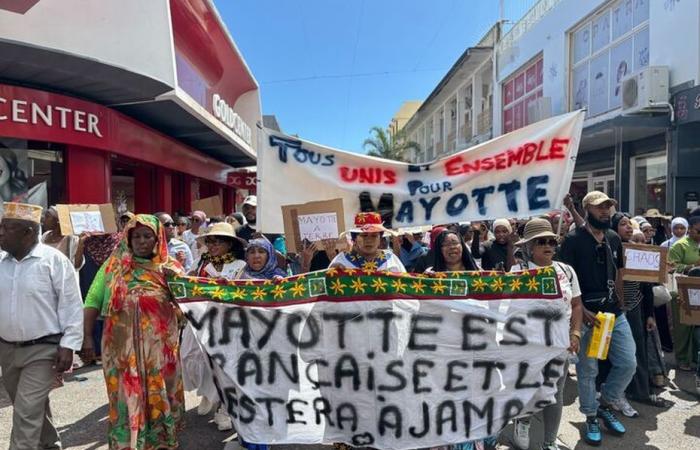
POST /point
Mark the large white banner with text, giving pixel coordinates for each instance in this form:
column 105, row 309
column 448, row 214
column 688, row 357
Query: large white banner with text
column 520, row 174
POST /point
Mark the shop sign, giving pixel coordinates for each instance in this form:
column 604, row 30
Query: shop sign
column 228, row 116
column 22, row 111
column 241, row 180
column 687, row 105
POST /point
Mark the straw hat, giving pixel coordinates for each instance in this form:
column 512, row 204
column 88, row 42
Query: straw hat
column 222, row 229
column 369, row 222
column 537, row 228
column 22, row 211
column 654, row 213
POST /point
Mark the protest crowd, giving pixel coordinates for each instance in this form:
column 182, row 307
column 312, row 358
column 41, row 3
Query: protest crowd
column 105, row 298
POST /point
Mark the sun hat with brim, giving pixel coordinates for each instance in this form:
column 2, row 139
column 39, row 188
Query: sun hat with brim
column 535, row 229
column 369, row 222
column 222, row 229
column 654, row 213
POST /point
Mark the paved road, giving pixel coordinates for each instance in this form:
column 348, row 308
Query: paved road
column 80, row 409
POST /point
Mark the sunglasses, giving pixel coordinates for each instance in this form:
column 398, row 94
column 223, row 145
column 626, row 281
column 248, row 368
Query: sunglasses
column 546, row 241
column 169, row 224
column 601, row 256
column 213, row 241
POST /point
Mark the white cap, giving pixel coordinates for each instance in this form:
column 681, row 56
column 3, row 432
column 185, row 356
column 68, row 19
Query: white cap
column 251, row 200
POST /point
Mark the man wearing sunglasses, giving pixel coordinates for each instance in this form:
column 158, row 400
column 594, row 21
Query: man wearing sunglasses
column 595, row 253
column 176, row 248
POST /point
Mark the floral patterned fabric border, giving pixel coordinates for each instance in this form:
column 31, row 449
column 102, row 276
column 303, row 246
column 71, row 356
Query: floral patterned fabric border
column 351, row 284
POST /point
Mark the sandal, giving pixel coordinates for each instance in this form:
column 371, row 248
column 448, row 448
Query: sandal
column 685, row 367
column 657, row 402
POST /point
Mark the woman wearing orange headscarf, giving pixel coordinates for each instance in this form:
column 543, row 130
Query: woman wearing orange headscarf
column 140, row 349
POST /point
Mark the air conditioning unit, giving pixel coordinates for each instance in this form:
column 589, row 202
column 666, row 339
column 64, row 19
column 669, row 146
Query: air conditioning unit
column 539, row 109
column 645, row 90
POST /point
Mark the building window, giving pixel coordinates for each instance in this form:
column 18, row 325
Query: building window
column 519, row 91
column 605, row 48
column 648, row 183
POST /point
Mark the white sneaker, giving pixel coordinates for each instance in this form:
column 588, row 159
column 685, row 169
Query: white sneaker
column 623, row 406
column 205, row 407
column 521, row 433
column 223, row 420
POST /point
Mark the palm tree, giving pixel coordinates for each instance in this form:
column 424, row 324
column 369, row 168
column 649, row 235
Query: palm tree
column 388, row 146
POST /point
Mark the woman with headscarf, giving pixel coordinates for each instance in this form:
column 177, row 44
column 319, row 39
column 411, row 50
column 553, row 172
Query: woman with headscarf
column 223, row 259
column 679, row 228
column 539, row 244
column 639, row 310
column 198, row 227
column 140, row 350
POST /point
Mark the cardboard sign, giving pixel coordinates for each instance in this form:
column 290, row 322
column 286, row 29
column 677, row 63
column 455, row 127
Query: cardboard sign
column 689, row 300
column 387, row 361
column 314, row 221
column 77, row 219
column 645, row 263
column 211, row 206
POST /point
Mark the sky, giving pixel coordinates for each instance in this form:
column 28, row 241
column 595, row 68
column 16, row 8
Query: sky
column 332, row 69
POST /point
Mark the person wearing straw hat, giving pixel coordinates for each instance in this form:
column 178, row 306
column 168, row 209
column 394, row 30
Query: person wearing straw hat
column 595, row 253
column 223, row 259
column 366, row 253
column 41, row 323
column 538, row 246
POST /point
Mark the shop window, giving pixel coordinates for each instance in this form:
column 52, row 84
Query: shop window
column 605, row 48
column 648, row 183
column 31, row 172
column 520, row 90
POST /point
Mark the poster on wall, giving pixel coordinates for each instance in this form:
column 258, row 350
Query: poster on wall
column 641, row 49
column 582, row 40
column 580, row 86
column 623, row 18
column 14, row 174
column 601, row 31
column 621, row 64
column 598, row 101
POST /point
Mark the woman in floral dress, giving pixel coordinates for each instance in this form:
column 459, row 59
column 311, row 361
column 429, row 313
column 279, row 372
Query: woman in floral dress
column 140, row 349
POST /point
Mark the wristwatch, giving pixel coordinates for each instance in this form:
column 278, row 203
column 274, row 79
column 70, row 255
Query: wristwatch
column 575, row 333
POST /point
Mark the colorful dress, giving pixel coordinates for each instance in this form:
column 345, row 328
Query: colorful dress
column 140, row 349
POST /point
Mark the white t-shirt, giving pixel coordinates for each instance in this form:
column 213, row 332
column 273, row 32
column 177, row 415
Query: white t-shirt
column 567, row 279
column 392, row 263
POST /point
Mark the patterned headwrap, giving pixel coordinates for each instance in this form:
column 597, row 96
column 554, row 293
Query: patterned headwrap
column 270, row 269
column 100, row 246
column 126, row 272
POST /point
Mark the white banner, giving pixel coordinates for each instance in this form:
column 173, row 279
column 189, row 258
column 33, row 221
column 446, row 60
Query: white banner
column 384, row 371
column 520, row 174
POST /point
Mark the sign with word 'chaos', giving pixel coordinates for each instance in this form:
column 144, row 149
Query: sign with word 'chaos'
column 380, row 360
column 521, row 174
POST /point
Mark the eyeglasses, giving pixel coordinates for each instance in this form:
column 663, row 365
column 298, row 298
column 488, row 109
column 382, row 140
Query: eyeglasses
column 169, row 224
column 601, row 256
column 213, row 241
column 546, row 241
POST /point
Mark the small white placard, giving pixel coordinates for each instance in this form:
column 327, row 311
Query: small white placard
column 90, row 221
column 317, row 227
column 642, row 260
column 694, row 297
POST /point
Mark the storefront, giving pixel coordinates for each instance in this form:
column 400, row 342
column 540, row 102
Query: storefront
column 684, row 155
column 150, row 123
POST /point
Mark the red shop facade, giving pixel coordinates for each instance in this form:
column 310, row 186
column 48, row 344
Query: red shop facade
column 163, row 117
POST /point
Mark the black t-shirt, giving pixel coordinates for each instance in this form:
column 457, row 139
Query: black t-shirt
column 495, row 256
column 596, row 267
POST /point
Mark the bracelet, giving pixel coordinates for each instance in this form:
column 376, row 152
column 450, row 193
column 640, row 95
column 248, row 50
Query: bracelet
column 575, row 333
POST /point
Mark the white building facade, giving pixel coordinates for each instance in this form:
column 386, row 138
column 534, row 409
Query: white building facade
column 458, row 112
column 565, row 55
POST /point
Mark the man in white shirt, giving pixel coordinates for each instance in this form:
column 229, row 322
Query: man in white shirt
column 176, row 248
column 199, row 226
column 41, row 324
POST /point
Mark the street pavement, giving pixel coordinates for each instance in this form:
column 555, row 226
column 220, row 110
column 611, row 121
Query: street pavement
column 80, row 411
